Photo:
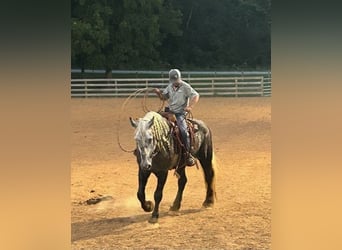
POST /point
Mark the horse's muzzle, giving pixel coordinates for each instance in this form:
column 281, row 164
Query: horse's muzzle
column 146, row 167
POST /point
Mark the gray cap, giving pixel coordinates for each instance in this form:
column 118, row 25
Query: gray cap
column 174, row 75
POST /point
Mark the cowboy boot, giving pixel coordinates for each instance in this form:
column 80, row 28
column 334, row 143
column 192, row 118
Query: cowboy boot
column 189, row 159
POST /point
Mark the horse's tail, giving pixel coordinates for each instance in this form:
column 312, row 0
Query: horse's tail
column 212, row 157
column 214, row 166
column 210, row 160
column 208, row 145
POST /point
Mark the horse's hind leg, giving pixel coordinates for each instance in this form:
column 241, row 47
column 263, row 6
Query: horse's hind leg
column 181, row 184
column 143, row 177
column 158, row 195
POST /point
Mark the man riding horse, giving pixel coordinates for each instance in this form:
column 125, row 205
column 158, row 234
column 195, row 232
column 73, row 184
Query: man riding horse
column 181, row 98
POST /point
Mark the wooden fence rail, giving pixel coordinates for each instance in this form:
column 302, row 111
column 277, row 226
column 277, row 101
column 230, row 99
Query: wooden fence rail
column 206, row 86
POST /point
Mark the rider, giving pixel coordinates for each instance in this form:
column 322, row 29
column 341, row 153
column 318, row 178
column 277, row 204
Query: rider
column 181, row 98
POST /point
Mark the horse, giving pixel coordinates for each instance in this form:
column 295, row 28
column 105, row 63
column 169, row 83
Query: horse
column 156, row 153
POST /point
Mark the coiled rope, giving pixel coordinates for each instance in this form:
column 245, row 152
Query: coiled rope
column 144, row 107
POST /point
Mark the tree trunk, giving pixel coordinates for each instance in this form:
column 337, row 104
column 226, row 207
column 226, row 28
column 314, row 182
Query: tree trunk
column 82, row 72
column 109, row 73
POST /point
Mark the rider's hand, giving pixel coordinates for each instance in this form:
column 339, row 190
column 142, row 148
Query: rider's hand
column 158, row 93
column 188, row 108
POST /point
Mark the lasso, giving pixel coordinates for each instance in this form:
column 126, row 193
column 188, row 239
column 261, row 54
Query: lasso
column 144, row 107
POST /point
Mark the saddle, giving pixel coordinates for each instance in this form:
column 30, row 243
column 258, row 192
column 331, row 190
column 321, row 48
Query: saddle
column 175, row 131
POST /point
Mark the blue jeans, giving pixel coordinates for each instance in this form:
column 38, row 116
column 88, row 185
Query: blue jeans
column 183, row 127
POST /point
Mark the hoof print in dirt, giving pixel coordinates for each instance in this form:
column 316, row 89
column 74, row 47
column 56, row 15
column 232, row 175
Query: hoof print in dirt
column 96, row 200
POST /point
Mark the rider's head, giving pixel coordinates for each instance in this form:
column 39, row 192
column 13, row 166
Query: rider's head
column 175, row 77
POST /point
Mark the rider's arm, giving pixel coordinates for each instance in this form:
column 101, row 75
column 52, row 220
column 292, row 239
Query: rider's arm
column 160, row 94
column 192, row 103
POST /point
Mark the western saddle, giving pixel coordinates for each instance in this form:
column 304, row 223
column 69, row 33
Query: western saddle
column 179, row 144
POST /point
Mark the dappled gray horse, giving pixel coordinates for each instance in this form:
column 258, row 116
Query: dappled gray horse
column 156, row 154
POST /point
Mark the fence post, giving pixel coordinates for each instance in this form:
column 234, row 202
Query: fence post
column 262, row 86
column 213, row 86
column 85, row 89
column 236, row 87
column 116, row 87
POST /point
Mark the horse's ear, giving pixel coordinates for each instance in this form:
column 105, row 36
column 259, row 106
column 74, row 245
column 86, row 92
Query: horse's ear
column 150, row 123
column 134, row 123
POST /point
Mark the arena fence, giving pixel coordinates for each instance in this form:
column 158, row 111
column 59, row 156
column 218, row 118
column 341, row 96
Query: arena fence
column 238, row 86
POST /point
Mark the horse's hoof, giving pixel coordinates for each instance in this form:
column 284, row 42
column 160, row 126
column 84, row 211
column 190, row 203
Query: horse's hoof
column 207, row 205
column 148, row 206
column 174, row 208
column 153, row 220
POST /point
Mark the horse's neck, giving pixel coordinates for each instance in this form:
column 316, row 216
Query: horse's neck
column 164, row 139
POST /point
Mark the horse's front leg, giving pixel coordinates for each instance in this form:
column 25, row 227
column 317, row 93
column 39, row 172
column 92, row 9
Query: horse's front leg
column 143, row 177
column 181, row 185
column 158, row 195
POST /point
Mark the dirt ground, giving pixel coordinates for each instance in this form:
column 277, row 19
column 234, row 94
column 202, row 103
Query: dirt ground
column 241, row 217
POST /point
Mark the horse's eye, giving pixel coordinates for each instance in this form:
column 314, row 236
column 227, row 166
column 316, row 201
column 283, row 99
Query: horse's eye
column 149, row 141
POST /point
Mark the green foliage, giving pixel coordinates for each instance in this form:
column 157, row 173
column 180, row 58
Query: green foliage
column 89, row 32
column 157, row 34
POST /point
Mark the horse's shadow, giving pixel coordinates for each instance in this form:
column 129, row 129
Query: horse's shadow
column 92, row 229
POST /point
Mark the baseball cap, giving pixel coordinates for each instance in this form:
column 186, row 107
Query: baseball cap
column 174, row 75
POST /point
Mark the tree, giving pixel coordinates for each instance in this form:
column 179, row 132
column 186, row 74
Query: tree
column 121, row 33
column 89, row 32
column 192, row 34
column 221, row 34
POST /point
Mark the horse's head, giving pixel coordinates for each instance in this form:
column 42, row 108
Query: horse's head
column 146, row 145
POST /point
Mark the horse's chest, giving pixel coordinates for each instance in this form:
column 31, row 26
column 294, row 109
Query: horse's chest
column 162, row 163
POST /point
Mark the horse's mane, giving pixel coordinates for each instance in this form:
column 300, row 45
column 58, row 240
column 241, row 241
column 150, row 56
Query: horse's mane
column 160, row 131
